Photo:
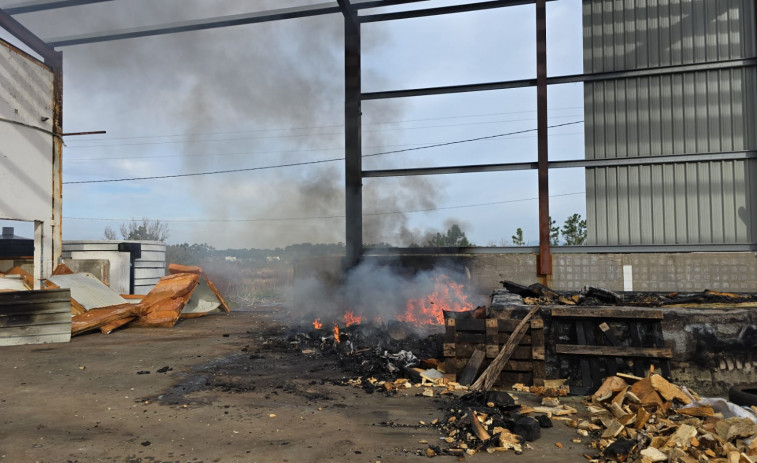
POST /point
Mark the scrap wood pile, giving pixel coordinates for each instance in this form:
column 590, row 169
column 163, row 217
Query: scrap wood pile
column 185, row 293
column 538, row 294
column 652, row 420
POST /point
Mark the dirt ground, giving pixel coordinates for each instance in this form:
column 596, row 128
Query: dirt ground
column 215, row 389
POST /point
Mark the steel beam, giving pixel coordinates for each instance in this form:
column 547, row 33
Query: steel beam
column 569, row 164
column 42, row 5
column 627, row 249
column 28, row 38
column 217, row 22
column 347, row 10
column 556, row 80
column 444, row 10
column 353, row 158
column 545, row 257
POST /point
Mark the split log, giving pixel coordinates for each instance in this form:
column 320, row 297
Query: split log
column 489, row 376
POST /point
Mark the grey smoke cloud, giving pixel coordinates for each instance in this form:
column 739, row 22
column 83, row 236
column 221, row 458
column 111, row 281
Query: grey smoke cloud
column 239, row 87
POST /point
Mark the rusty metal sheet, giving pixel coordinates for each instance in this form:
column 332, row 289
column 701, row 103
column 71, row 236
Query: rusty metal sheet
column 174, row 269
column 162, row 306
column 95, row 318
column 110, row 327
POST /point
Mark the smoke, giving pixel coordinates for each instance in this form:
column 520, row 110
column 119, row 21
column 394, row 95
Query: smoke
column 377, row 291
column 253, row 95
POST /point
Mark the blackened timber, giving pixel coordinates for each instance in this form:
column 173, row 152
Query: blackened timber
column 353, row 144
column 545, row 256
column 602, row 351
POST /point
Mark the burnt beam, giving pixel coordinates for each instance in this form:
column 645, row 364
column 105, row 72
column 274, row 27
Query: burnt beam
column 353, row 164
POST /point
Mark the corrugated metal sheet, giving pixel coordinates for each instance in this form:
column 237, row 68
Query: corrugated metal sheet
column 687, row 203
column 693, row 113
column 35, row 317
column 88, row 291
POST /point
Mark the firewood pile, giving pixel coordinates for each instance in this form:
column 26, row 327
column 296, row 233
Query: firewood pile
column 652, row 420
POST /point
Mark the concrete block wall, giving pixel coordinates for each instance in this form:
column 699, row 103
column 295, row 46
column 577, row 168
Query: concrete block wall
column 685, row 272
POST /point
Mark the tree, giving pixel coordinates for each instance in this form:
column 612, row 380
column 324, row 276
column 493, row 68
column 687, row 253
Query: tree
column 455, row 237
column 146, row 230
column 574, row 230
column 518, row 238
column 554, row 232
column 110, row 234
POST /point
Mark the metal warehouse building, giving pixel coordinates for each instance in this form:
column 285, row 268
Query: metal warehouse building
column 698, row 122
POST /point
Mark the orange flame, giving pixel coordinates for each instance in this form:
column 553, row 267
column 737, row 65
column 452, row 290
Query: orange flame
column 428, row 310
column 336, row 333
column 351, row 319
column 317, row 324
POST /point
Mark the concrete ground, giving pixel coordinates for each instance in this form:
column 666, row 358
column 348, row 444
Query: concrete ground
column 228, row 392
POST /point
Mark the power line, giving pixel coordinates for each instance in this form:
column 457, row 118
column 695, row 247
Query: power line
column 286, row 219
column 250, row 169
column 247, row 153
column 299, row 135
column 323, row 126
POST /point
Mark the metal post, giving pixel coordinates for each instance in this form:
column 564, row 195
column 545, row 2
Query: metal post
column 545, row 257
column 56, row 62
column 353, row 164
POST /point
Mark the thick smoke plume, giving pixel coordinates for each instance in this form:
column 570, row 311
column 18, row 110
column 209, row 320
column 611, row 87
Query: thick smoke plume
column 253, row 95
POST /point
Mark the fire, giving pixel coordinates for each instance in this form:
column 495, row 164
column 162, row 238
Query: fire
column 317, row 324
column 428, row 310
column 351, row 319
column 336, row 333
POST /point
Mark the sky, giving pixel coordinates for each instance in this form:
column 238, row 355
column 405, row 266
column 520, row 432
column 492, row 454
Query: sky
column 263, row 95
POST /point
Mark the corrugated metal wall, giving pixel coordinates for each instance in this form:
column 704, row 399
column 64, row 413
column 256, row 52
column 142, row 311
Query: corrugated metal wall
column 692, row 113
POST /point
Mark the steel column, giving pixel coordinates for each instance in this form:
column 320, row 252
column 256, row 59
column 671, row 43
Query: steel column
column 56, row 62
column 353, row 162
column 545, row 258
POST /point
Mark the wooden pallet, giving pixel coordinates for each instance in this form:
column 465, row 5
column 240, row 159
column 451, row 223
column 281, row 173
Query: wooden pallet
column 464, row 337
column 600, row 353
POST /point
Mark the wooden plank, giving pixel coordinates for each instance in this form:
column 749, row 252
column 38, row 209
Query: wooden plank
column 518, row 365
column 586, row 379
column 659, row 341
column 639, row 366
column 628, row 313
column 469, row 336
column 470, row 325
column 450, row 330
column 470, row 371
column 538, row 354
column 596, row 375
column 520, row 352
column 489, row 376
column 537, row 324
column 602, row 351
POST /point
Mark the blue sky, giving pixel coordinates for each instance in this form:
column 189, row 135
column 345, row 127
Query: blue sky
column 269, row 94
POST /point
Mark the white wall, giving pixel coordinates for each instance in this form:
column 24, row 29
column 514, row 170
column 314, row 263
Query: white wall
column 26, row 150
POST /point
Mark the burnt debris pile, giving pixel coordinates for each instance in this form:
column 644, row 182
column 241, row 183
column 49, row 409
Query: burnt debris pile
column 381, row 351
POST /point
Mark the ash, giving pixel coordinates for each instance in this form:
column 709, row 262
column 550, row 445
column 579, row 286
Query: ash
column 381, row 351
